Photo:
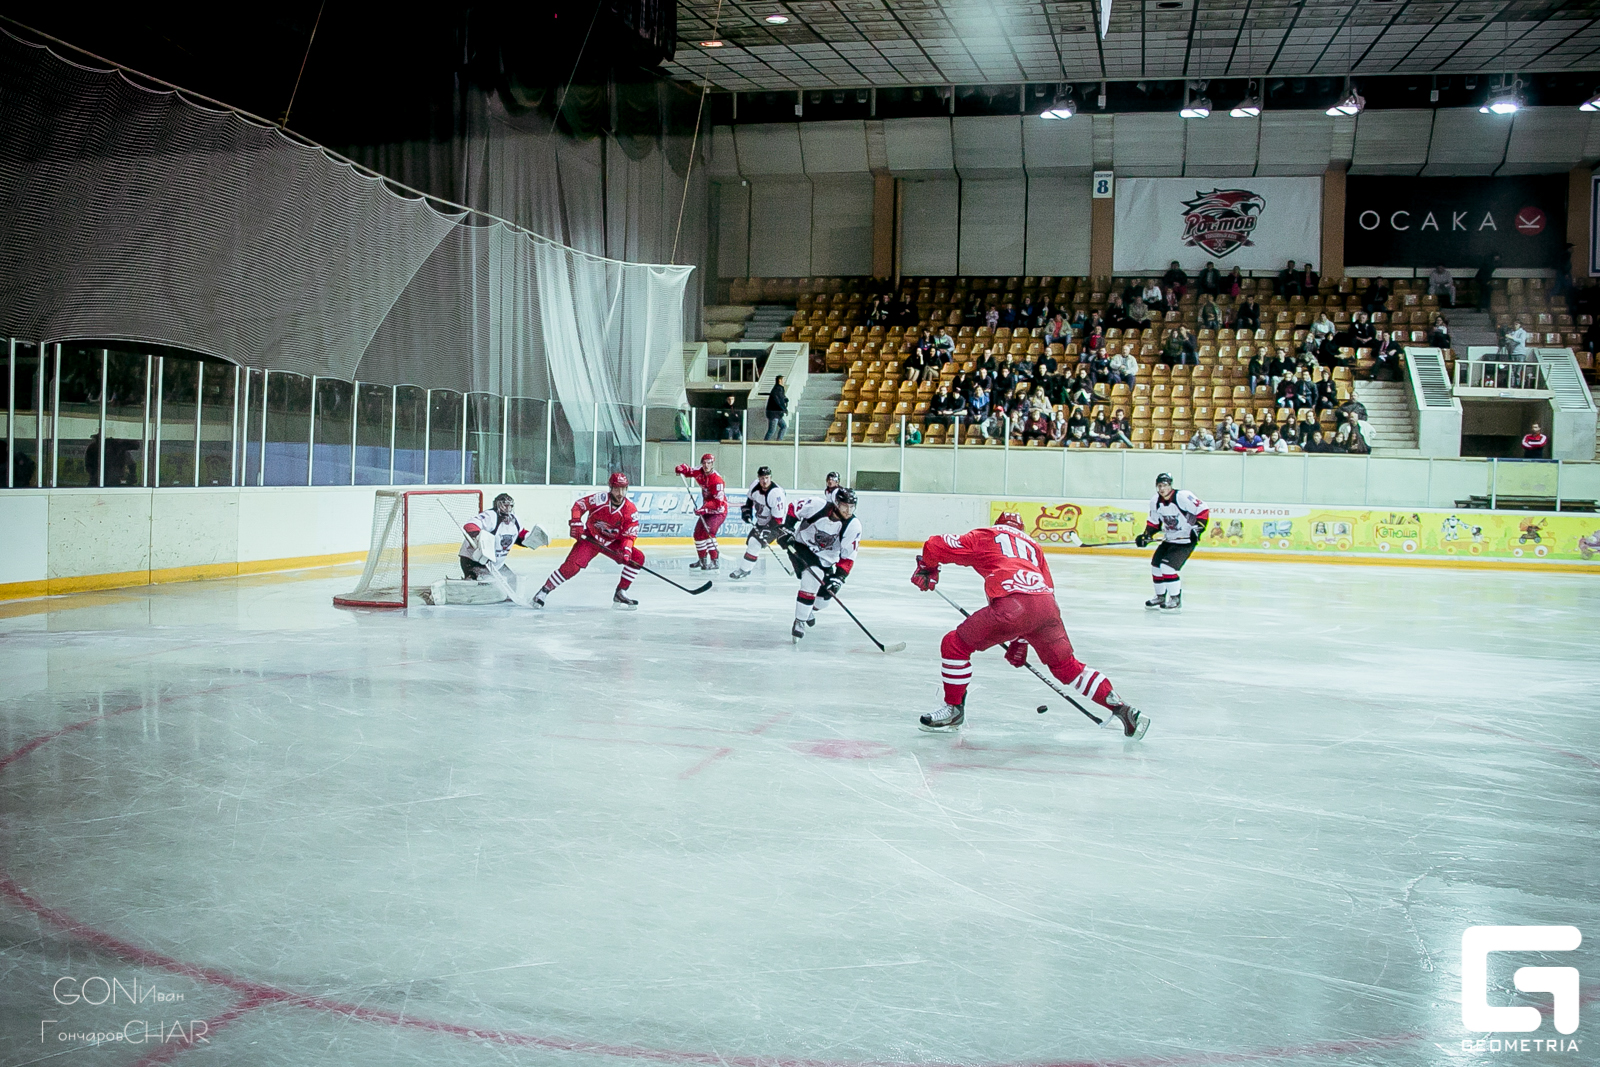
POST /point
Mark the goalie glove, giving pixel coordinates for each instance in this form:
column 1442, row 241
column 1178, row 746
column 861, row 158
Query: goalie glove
column 486, row 547
column 926, row 576
column 831, row 584
column 1017, row 653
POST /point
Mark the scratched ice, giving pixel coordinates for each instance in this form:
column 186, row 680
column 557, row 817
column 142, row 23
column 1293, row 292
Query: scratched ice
column 491, row 836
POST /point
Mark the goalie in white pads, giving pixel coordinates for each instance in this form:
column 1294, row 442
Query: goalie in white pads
column 821, row 537
column 1180, row 518
column 764, row 509
column 490, row 535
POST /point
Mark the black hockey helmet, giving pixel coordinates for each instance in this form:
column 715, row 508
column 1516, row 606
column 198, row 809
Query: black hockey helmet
column 845, row 496
column 833, row 476
column 763, row 472
column 506, row 498
column 1163, row 478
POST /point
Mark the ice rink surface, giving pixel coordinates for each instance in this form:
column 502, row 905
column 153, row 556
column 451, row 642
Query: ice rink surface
column 494, row 836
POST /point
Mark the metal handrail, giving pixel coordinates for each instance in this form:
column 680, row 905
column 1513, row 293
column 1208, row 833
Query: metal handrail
column 1499, row 374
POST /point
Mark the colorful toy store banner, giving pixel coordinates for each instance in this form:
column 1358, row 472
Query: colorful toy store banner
column 1249, row 223
column 1457, row 222
column 1400, row 532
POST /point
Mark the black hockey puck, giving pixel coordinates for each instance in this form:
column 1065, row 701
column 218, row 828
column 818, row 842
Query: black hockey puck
column 1041, row 709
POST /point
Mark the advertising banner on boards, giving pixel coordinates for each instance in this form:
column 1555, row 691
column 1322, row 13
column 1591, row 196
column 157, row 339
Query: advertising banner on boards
column 1457, row 222
column 1249, row 223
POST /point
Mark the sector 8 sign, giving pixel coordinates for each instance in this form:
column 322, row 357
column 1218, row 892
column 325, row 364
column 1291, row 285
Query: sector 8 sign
column 1530, row 221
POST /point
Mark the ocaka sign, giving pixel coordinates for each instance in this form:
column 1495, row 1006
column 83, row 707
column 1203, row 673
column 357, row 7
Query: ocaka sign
column 1459, row 222
column 1222, row 220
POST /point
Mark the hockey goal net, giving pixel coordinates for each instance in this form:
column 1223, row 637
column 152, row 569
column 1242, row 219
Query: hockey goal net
column 416, row 536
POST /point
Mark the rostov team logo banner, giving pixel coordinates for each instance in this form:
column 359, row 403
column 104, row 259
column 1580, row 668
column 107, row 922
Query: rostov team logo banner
column 1258, row 224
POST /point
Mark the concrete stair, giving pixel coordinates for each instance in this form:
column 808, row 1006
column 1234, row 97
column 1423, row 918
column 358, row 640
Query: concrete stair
column 769, row 322
column 1389, row 416
column 1469, row 326
column 815, row 411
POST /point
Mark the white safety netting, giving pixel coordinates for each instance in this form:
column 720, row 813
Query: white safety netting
column 137, row 214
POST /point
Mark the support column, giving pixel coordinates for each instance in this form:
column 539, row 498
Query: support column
column 1333, row 223
column 883, row 225
column 1102, row 233
column 1578, row 208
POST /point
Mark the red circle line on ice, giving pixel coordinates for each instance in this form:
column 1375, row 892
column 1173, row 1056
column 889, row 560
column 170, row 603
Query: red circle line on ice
column 254, row 995
column 1530, row 221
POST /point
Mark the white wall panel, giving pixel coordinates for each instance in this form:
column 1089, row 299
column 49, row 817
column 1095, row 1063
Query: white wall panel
column 724, row 162
column 1221, row 147
column 732, row 203
column 1391, row 142
column 780, row 228
column 918, row 146
column 772, row 148
column 929, row 210
column 1294, row 142
column 1058, row 224
column 1465, row 142
column 1148, row 145
column 834, row 147
column 1058, row 145
column 841, row 225
column 992, row 225
column 25, row 519
column 1547, row 139
column 984, row 143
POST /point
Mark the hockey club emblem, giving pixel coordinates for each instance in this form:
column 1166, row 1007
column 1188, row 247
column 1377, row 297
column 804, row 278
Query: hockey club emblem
column 1222, row 220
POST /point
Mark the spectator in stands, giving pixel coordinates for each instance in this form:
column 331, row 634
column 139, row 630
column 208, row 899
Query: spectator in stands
column 1025, row 313
column 1442, row 283
column 1057, row 331
column 1485, row 280
column 1289, row 281
column 1346, row 433
column 991, row 318
column 732, row 420
column 904, row 313
column 1285, row 394
column 945, row 344
column 1276, row 443
column 1081, row 392
column 1044, row 366
column 987, row 361
column 1305, row 428
column 1077, row 424
column 1210, row 316
column 1256, row 370
column 944, row 406
column 1305, row 391
column 1039, row 400
column 978, row 402
column 878, row 311
column 1099, row 367
column 1351, row 407
column 1249, row 315
column 1037, row 425
column 1116, row 312
column 1176, row 279
column 1186, row 349
column 1228, row 432
column 1316, row 444
column 1268, row 425
column 1516, row 342
column 1534, row 443
column 1118, row 429
column 1209, row 282
column 1153, row 296
column 1278, row 366
column 1439, row 333
column 1137, row 315
column 777, row 411
column 1322, row 327
column 1376, row 298
column 1249, row 440
column 913, row 365
column 1008, row 315
column 1124, row 368
column 1202, row 440
column 1386, row 354
column 1361, row 442
column 1359, row 335
column 1234, row 283
column 1005, row 378
column 1100, row 428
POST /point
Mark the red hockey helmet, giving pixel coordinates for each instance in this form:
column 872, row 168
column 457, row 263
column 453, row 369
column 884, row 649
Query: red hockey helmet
column 1009, row 518
column 708, row 458
column 619, row 480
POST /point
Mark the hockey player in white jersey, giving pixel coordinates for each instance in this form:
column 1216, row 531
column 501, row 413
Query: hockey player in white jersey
column 490, row 535
column 831, row 489
column 1180, row 517
column 764, row 509
column 821, row 537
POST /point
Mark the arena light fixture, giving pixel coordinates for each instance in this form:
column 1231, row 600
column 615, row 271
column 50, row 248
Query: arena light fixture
column 1505, row 99
column 1350, row 103
column 1063, row 106
column 712, row 44
column 1591, row 104
column 1194, row 107
column 1250, row 106
column 778, row 19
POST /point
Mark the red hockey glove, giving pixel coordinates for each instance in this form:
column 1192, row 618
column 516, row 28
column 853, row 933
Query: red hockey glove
column 1017, row 653
column 926, row 576
column 682, row 470
column 576, row 530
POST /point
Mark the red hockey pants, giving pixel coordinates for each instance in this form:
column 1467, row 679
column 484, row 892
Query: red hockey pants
column 1034, row 617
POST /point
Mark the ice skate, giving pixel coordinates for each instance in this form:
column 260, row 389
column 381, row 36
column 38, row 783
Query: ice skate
column 701, row 564
column 711, row 563
column 948, row 718
column 623, row 602
column 798, row 631
column 1157, row 601
column 1173, row 602
column 737, row 573
column 1134, row 724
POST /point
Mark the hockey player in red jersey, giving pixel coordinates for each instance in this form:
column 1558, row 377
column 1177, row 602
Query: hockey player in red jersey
column 602, row 524
column 713, row 510
column 1022, row 611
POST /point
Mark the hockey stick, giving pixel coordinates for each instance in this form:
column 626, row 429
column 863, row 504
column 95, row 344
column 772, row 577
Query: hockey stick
column 898, row 646
column 779, row 558
column 1077, row 542
column 607, row 554
column 491, row 568
column 1051, row 682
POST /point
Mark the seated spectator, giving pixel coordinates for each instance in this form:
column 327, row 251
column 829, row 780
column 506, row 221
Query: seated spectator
column 961, row 385
column 1289, row 281
column 1008, row 315
column 1228, row 432
column 1442, row 283
column 1077, row 424
column 1100, row 427
column 1124, row 368
column 1248, row 316
column 1322, row 327
column 1037, row 425
column 1277, row 444
column 913, row 434
column 1327, row 392
column 987, row 362
column 1316, row 444
column 1305, row 428
column 1209, row 281
column 913, row 365
column 1202, row 440
column 1348, row 434
column 1118, row 429
column 1025, row 313
column 944, row 342
column 1176, row 280
column 1358, row 334
column 1386, row 353
column 1534, row 443
column 1099, row 367
column 1058, row 428
column 1256, row 370
column 1039, row 400
column 1278, row 366
column 1138, row 314
column 978, row 403
column 944, row 406
column 1376, row 298
column 1439, row 332
column 1351, row 408
column 1153, row 297
column 1305, row 391
column 1116, row 312
column 1210, row 316
column 1268, row 426
column 1234, row 284
column 1249, row 441
column 1186, row 346
column 991, row 318
column 1287, row 392
column 1044, row 366
column 1057, row 332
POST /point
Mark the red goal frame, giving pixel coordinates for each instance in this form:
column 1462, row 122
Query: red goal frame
column 405, row 544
